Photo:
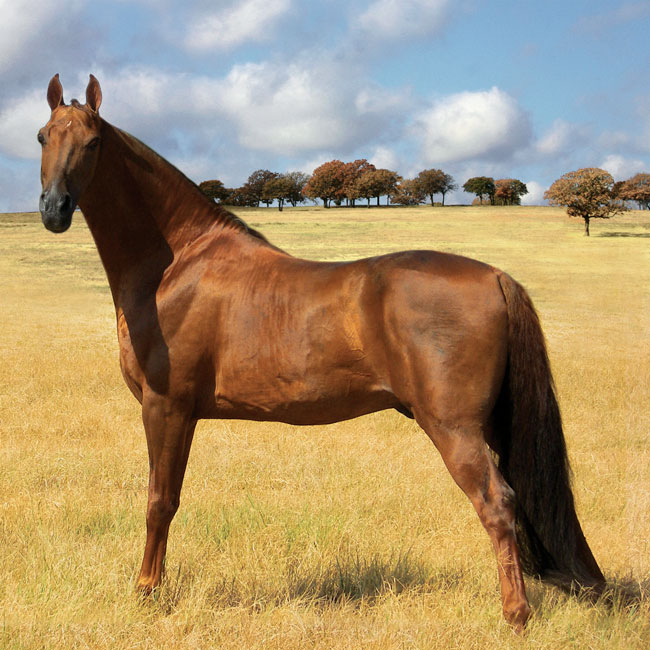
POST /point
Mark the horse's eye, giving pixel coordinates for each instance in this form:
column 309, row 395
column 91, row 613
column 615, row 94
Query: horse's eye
column 41, row 138
column 93, row 143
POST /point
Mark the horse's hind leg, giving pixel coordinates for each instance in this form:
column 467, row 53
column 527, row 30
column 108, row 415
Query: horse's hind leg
column 468, row 460
column 169, row 437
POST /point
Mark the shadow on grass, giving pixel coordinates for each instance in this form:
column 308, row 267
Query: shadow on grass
column 627, row 593
column 624, row 234
column 350, row 578
column 620, row 596
column 353, row 577
column 354, row 580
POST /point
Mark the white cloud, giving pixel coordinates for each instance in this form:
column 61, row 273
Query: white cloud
column 614, row 140
column 562, row 138
column 384, row 158
column 307, row 166
column 154, row 104
column 301, row 107
column 485, row 124
column 555, row 139
column 21, row 21
column 283, row 108
column 198, row 168
column 238, row 23
column 622, row 168
column 28, row 26
column 535, row 194
column 141, row 90
column 20, row 121
column 399, row 19
column 280, row 109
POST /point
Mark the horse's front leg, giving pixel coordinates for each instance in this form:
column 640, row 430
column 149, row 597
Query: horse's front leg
column 169, row 430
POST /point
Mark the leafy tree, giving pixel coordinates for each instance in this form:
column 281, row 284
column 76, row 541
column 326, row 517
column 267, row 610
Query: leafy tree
column 375, row 183
column 352, row 171
column 636, row 189
column 326, row 183
column 435, row 181
column 298, row 181
column 214, row 190
column 481, row 186
column 242, row 197
column 508, row 191
column 448, row 185
column 279, row 188
column 254, row 186
column 587, row 194
column 408, row 192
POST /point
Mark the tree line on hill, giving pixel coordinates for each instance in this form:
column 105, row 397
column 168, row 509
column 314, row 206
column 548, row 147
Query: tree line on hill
column 345, row 183
column 588, row 193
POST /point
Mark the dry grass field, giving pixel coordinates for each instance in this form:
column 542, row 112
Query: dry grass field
column 344, row 536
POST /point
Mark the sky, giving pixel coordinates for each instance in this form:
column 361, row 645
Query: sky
column 510, row 89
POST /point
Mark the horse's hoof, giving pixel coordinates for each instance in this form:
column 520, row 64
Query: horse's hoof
column 518, row 617
column 144, row 588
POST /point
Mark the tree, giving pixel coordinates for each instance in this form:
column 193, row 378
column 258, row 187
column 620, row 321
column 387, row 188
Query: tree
column 448, row 185
column 408, row 192
column 617, row 190
column 298, row 181
column 435, row 181
column 508, row 191
column 636, row 189
column 481, row 186
column 352, row 171
column 254, row 186
column 214, row 190
column 375, row 183
column 326, row 183
column 279, row 188
column 241, row 197
column 587, row 194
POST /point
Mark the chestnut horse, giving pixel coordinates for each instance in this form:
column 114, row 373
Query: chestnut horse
column 215, row 322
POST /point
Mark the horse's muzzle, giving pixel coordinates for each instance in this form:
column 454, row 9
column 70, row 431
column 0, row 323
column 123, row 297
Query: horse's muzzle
column 56, row 210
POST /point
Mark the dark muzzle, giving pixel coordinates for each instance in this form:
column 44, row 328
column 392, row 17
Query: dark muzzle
column 56, row 210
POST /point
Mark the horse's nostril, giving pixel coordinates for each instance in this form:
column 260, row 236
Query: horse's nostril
column 64, row 203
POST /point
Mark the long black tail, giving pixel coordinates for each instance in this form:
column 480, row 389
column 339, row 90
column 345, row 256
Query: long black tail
column 533, row 457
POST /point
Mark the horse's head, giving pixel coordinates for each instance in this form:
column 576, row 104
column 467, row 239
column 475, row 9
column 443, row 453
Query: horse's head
column 71, row 142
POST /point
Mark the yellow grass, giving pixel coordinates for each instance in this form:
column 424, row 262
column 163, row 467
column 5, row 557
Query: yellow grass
column 346, row 536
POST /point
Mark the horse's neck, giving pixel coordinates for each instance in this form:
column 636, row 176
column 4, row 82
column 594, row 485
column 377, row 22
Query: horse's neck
column 141, row 212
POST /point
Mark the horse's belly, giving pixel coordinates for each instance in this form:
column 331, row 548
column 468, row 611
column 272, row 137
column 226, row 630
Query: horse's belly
column 308, row 400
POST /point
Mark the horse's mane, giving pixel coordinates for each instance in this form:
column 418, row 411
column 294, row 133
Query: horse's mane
column 221, row 215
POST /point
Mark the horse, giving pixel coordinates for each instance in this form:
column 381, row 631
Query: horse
column 213, row 321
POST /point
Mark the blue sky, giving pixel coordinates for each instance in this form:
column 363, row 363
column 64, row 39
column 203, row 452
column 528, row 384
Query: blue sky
column 523, row 89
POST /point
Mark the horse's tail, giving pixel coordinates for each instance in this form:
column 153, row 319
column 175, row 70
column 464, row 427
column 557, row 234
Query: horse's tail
column 533, row 457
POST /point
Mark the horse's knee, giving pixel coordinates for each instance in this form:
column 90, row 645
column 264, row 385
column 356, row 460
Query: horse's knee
column 161, row 510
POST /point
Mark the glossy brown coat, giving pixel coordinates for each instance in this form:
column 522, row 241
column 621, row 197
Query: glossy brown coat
column 215, row 322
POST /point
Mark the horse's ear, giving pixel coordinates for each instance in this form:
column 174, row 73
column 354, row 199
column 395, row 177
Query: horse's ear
column 93, row 94
column 55, row 92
